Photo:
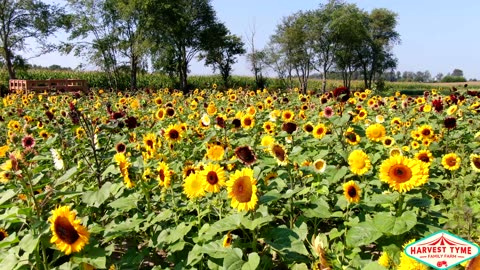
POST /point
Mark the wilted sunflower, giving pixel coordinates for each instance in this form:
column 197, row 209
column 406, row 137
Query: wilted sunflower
column 319, row 131
column 451, row 161
column 193, row 186
column 403, row 173
column 215, row 152
column 475, row 162
column 425, row 156
column 319, row 165
column 279, row 153
column 163, row 174
column 289, row 127
column 248, row 121
column 173, row 133
column 213, row 177
column 359, row 162
column 68, row 234
column 246, row 155
column 352, row 192
column 242, row 189
column 376, row 132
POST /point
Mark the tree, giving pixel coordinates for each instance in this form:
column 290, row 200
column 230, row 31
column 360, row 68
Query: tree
column 223, row 54
column 457, row 73
column 179, row 30
column 24, row 19
column 293, row 37
column 375, row 54
column 258, row 59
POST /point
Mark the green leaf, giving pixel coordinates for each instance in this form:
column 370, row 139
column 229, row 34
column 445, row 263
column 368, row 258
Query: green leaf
column 339, row 174
column 288, row 243
column 300, row 266
column 67, row 176
column 229, row 223
column 252, row 263
column 98, row 197
column 391, row 225
column 319, row 209
column 125, row 203
column 7, row 195
column 94, row 256
column 29, row 243
column 362, row 234
column 419, row 202
column 233, row 260
column 374, row 266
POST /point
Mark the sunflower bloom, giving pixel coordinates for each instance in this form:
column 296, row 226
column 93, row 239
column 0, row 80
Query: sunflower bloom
column 193, row 186
column 124, row 164
column 403, row 173
column 385, row 260
column 215, row 152
column 68, row 234
column 242, row 189
column 163, row 174
column 319, row 131
column 375, row 132
column 214, row 177
column 451, row 162
column 227, row 241
column 359, row 162
column 475, row 162
column 407, row 263
column 3, row 234
column 173, row 133
column 352, row 192
column 279, row 153
column 248, row 121
column 425, row 156
column 319, row 165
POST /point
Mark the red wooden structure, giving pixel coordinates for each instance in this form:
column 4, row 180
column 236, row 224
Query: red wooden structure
column 63, row 85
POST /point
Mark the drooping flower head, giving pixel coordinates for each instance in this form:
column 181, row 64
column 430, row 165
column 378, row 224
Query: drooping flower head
column 246, row 155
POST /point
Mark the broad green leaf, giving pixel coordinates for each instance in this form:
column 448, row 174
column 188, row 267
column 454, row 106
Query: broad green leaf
column 419, row 202
column 339, row 174
column 94, row 256
column 374, row 266
column 125, row 203
column 319, row 208
column 67, row 176
column 29, row 243
column 233, row 260
column 98, row 197
column 299, row 266
column 7, row 195
column 362, row 234
column 391, row 225
column 252, row 263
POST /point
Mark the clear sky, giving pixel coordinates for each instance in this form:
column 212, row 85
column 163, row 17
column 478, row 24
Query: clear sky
column 436, row 35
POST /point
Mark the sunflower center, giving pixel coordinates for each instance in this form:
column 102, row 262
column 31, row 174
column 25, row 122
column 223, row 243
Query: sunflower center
column 388, row 142
column 243, row 189
column 319, row 165
column 426, row 132
column 247, row 121
column 2, row 235
column 212, row 178
column 65, row 230
column 161, row 174
column 320, row 131
column 476, row 162
column 173, row 134
column 400, row 173
column 150, row 143
column 309, row 128
column 279, row 152
column 451, row 161
column 424, row 158
column 352, row 192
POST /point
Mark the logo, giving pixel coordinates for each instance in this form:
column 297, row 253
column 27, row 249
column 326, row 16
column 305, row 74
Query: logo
column 442, row 250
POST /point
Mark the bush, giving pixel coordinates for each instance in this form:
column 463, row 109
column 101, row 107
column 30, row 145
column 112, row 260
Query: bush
column 454, row 79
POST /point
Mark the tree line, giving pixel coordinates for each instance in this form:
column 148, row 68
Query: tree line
column 133, row 36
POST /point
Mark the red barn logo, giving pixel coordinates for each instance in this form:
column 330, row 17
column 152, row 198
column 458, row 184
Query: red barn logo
column 442, row 250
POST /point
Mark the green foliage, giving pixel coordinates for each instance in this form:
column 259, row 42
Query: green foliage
column 450, row 78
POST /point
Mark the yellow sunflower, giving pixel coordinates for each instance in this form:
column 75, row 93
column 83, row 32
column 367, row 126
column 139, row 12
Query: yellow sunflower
column 267, row 141
column 269, row 127
column 242, row 189
column 426, row 131
column 376, row 132
column 68, row 234
column 213, row 177
column 352, row 192
column 215, row 152
column 160, row 114
column 80, row 133
column 124, row 164
column 319, row 131
column 150, row 141
column 211, row 109
column 3, row 150
column 227, row 241
column 359, row 162
column 388, row 141
column 475, row 162
column 173, row 133
column 451, row 161
column 408, row 263
column 425, row 156
column 3, row 234
column 287, row 116
column 351, row 137
column 385, row 260
column 248, row 121
column 403, row 173
column 452, row 109
column 193, row 186
column 163, row 174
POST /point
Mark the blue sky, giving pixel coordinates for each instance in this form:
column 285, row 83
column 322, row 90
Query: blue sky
column 436, row 35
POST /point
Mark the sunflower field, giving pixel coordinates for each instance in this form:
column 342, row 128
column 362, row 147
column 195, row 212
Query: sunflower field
column 236, row 179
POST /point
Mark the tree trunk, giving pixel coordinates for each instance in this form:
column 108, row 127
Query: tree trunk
column 133, row 74
column 9, row 63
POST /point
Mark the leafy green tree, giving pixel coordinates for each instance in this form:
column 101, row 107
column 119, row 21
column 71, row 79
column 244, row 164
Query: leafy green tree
column 26, row 19
column 222, row 55
column 457, row 72
column 179, row 30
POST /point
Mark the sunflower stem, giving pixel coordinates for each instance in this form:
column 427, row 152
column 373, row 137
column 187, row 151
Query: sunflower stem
column 147, row 197
column 254, row 234
column 400, row 209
